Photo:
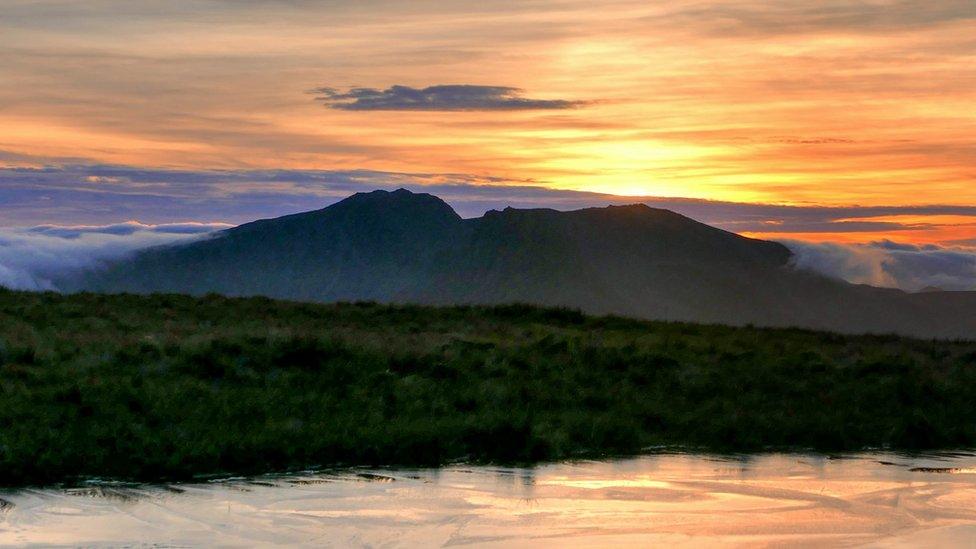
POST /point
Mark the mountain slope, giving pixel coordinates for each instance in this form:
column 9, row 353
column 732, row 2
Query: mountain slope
column 631, row 260
column 367, row 247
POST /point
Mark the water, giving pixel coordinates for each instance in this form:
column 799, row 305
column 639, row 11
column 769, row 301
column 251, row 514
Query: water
column 876, row 500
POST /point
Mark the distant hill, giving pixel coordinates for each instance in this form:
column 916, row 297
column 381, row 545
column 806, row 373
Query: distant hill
column 631, row 260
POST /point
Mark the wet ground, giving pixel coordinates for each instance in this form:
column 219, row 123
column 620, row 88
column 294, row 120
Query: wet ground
column 875, row 500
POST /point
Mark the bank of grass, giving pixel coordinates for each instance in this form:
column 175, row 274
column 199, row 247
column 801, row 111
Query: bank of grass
column 171, row 387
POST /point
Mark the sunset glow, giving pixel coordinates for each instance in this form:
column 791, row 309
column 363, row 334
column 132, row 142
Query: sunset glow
column 488, row 273
column 830, row 104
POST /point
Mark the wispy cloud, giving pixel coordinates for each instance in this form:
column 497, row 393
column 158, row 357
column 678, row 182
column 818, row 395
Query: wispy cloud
column 76, row 194
column 453, row 97
column 126, row 229
column 73, row 216
column 890, row 264
column 98, row 195
column 32, row 258
column 830, row 16
column 868, row 93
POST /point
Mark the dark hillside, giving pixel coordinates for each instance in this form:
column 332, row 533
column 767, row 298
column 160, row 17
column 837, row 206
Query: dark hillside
column 170, row 387
column 402, row 247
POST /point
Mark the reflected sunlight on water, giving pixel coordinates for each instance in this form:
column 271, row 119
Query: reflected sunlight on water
column 675, row 499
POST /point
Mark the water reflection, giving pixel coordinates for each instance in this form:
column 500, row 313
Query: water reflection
column 674, row 499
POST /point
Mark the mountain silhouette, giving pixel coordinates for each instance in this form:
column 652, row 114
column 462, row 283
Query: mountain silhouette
column 630, row 260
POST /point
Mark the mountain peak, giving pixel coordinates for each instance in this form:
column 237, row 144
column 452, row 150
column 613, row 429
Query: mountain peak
column 398, row 195
column 634, row 206
column 403, row 246
column 380, row 193
column 398, row 203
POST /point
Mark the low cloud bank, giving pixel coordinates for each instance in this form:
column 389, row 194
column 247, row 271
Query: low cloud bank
column 32, row 258
column 890, row 264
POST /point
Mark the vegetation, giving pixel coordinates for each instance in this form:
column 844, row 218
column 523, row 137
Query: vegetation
column 171, row 387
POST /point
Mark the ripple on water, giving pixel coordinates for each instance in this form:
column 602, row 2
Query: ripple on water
column 666, row 499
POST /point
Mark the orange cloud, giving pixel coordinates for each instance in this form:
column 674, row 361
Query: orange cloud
column 828, row 103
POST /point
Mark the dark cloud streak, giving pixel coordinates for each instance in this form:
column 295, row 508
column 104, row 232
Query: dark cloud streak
column 77, row 215
column 99, row 194
column 455, row 97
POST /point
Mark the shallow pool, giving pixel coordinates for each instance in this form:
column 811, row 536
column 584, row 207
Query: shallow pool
column 674, row 499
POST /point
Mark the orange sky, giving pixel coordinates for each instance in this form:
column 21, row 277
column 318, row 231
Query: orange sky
column 789, row 102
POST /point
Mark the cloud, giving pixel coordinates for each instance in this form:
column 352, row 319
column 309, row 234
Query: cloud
column 127, row 228
column 77, row 194
column 830, row 16
column 58, row 209
column 211, row 83
column 460, row 97
column 33, row 258
column 890, row 264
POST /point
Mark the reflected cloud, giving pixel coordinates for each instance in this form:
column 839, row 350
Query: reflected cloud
column 689, row 503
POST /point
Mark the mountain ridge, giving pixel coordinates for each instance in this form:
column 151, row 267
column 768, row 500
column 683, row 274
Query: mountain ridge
column 630, row 260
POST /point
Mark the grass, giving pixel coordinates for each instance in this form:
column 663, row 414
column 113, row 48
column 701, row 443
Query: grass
column 172, row 387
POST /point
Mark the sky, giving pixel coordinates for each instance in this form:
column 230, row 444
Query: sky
column 836, row 125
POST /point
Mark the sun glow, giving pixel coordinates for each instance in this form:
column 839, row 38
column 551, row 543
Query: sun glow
column 762, row 103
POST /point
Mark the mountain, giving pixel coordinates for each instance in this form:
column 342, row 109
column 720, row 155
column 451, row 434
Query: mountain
column 630, row 260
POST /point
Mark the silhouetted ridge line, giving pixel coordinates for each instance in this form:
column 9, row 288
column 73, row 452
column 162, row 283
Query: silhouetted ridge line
column 632, row 260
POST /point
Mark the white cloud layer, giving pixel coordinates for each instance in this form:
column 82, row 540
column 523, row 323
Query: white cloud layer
column 31, row 258
column 890, row 264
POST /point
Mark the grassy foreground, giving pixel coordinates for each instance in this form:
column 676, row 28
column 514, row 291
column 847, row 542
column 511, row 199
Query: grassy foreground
column 168, row 387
